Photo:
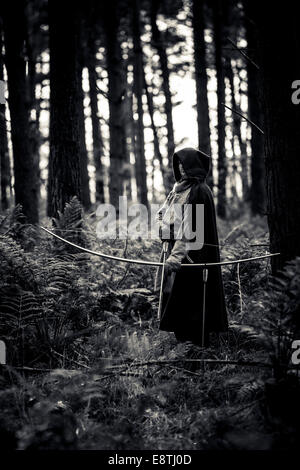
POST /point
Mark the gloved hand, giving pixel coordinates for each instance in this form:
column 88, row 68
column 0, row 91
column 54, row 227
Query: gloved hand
column 172, row 265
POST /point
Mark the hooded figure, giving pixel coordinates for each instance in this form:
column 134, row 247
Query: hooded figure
column 182, row 296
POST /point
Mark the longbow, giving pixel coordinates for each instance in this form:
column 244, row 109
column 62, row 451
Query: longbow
column 153, row 263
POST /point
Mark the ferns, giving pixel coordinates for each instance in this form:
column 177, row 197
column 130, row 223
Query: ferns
column 245, row 281
column 57, row 276
column 14, row 225
column 19, row 308
column 250, row 391
column 284, row 297
column 19, row 313
column 15, row 265
column 71, row 218
column 70, row 225
column 40, row 294
column 54, row 312
column 281, row 325
column 244, row 388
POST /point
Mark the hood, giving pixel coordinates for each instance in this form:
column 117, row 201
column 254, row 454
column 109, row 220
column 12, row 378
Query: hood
column 194, row 162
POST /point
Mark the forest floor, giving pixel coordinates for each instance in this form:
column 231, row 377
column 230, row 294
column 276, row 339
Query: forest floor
column 89, row 326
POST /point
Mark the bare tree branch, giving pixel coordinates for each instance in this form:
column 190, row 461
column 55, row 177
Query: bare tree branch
column 244, row 117
column 243, row 53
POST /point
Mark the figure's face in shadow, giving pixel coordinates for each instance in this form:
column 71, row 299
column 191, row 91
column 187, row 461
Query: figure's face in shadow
column 181, row 169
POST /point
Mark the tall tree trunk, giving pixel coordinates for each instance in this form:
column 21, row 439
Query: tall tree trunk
column 116, row 91
column 5, row 172
column 201, row 79
column 237, row 132
column 132, row 125
column 243, row 147
column 127, row 136
column 96, row 128
column 257, row 189
column 163, row 60
column 5, row 181
column 279, row 45
column 138, row 77
column 24, row 173
column 222, row 170
column 64, row 181
column 85, row 188
column 84, row 161
column 5, row 175
column 157, row 151
column 32, row 42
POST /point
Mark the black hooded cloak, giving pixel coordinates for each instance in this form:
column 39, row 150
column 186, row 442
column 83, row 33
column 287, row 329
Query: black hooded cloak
column 182, row 305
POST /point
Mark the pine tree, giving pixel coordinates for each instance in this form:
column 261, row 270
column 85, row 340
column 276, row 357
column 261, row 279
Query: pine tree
column 138, row 73
column 116, row 93
column 222, row 171
column 25, row 180
column 5, row 173
column 257, row 189
column 159, row 45
column 64, row 180
column 201, row 76
column 96, row 125
column 279, row 46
